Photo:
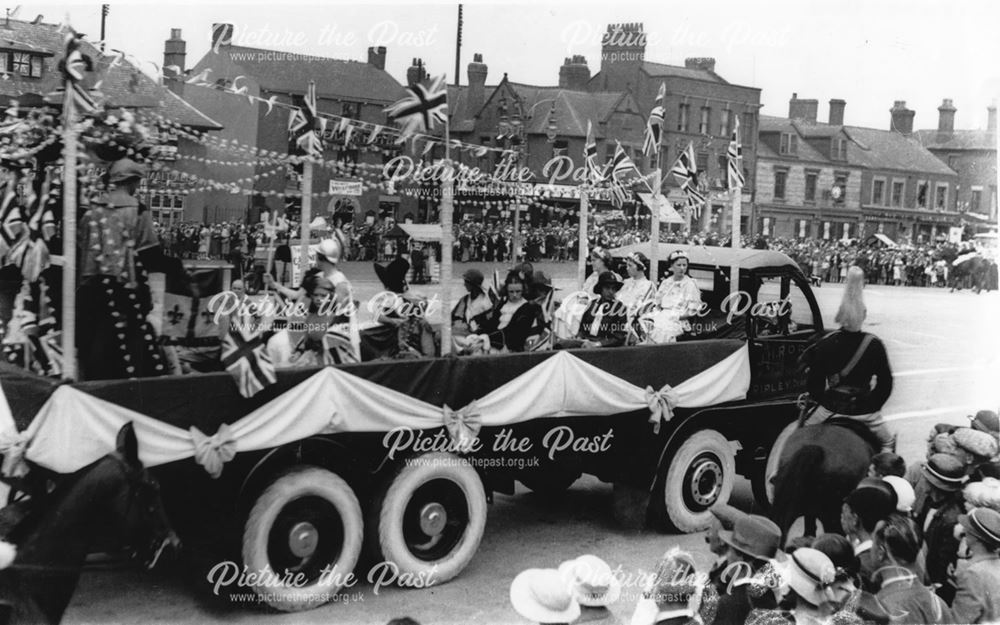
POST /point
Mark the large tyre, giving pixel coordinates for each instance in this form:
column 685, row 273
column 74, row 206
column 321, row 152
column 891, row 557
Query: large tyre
column 766, row 488
column 551, row 481
column 306, row 522
column 700, row 475
column 429, row 519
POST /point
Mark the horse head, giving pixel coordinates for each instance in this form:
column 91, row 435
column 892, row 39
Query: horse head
column 137, row 505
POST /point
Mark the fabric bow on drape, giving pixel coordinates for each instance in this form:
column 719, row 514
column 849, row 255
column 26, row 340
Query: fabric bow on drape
column 213, row 452
column 12, row 446
column 463, row 426
column 661, row 405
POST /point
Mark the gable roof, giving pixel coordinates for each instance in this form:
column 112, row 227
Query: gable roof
column 287, row 72
column 120, row 83
column 806, row 152
column 957, row 139
column 886, row 149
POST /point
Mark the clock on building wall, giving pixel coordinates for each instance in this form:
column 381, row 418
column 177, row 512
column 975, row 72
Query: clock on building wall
column 836, row 192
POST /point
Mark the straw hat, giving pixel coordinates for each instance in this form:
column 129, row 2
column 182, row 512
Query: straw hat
column 541, row 595
column 905, row 495
column 984, row 524
column 811, row 575
column 755, row 536
column 591, row 581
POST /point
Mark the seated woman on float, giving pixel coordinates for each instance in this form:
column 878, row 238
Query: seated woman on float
column 566, row 321
column 677, row 300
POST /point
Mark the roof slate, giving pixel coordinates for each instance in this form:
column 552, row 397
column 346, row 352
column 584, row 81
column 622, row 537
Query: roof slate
column 886, row 149
column 658, row 70
column 957, row 139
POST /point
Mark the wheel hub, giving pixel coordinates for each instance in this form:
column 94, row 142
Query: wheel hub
column 302, row 539
column 433, row 518
column 706, row 482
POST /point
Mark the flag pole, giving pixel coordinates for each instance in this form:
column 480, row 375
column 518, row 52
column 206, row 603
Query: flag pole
column 69, row 368
column 581, row 261
column 654, row 213
column 734, row 270
column 447, row 206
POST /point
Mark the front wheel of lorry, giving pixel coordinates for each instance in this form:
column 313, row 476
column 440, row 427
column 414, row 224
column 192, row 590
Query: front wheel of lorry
column 302, row 539
column 428, row 520
column 700, row 474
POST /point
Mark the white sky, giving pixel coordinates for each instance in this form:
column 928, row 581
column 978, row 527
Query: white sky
column 868, row 53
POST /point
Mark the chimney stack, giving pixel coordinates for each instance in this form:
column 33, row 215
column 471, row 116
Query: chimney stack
column 222, row 36
column 803, row 110
column 946, row 116
column 477, row 71
column 902, row 118
column 705, row 63
column 991, row 119
column 174, row 55
column 416, row 73
column 574, row 73
column 376, row 57
column 837, row 112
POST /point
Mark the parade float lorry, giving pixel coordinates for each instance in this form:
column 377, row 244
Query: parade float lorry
column 394, row 462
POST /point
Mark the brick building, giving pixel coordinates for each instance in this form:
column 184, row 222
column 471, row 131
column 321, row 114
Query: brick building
column 353, row 89
column 831, row 180
column 29, row 54
column 700, row 107
column 973, row 155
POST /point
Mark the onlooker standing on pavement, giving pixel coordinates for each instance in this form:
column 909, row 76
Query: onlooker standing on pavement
column 945, row 475
column 872, row 501
column 896, row 545
column 977, row 596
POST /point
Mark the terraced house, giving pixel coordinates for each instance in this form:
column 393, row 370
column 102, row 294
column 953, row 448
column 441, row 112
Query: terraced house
column 831, row 180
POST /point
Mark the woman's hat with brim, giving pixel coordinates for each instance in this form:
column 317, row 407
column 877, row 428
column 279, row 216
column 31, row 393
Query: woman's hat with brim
column 905, row 495
column 984, row 524
column 727, row 515
column 607, row 278
column 591, row 581
column 755, row 536
column 945, row 472
column 811, row 574
column 542, row 596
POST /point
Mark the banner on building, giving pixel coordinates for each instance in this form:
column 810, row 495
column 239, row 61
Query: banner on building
column 802, row 228
column 767, row 226
column 826, row 229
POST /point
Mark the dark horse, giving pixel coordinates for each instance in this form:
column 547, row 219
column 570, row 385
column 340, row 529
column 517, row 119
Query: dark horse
column 820, row 465
column 972, row 273
column 111, row 499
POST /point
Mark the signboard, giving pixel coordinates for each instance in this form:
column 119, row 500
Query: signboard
column 295, row 266
column 955, row 234
column 346, row 187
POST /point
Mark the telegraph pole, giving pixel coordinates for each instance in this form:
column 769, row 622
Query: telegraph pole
column 458, row 48
column 105, row 8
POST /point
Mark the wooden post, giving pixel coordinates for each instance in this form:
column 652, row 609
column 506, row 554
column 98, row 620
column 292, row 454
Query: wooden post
column 306, row 216
column 447, row 208
column 581, row 261
column 69, row 368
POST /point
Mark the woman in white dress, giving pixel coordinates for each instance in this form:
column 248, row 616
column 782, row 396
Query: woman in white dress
column 637, row 288
column 678, row 299
column 567, row 317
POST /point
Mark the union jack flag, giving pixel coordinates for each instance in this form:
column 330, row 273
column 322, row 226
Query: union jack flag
column 425, row 105
column 654, row 125
column 734, row 158
column 11, row 222
column 245, row 357
column 339, row 348
column 302, row 124
column 590, row 156
column 686, row 169
column 73, row 67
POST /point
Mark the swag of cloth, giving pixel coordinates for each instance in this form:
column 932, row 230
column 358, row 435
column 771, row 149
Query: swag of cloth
column 74, row 427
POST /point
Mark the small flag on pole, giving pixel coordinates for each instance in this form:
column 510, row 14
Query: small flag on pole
column 245, row 356
column 422, row 108
column 590, row 157
column 74, row 66
column 302, row 124
column 734, row 158
column 654, row 125
column 686, row 169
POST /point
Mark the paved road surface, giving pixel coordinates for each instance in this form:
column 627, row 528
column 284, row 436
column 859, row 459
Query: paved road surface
column 943, row 347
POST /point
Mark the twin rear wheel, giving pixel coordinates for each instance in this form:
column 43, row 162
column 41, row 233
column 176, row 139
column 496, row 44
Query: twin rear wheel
column 305, row 532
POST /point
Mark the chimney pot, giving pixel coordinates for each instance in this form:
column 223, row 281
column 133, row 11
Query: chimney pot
column 901, row 119
column 946, row 116
column 376, row 57
column 174, row 55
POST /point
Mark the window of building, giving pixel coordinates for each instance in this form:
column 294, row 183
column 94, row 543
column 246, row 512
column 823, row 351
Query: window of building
column 878, row 191
column 941, row 197
column 701, row 161
column 952, row 161
column 976, row 200
column 703, row 125
column 922, row 190
column 351, row 110
column 725, row 122
column 789, row 143
column 24, row 63
column 897, row 193
column 4, row 62
column 682, row 117
column 811, row 178
column 780, row 178
column 839, row 183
